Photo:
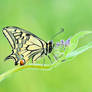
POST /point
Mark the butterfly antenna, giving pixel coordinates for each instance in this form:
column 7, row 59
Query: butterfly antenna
column 58, row 33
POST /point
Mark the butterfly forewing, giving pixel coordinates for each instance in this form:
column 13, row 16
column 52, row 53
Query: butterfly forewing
column 24, row 44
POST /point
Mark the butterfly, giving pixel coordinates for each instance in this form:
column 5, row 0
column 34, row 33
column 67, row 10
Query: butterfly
column 26, row 45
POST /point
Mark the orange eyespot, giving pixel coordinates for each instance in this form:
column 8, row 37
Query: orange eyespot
column 22, row 62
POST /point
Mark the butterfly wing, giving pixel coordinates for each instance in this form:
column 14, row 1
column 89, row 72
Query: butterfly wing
column 24, row 44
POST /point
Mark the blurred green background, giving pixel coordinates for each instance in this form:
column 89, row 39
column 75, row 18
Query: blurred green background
column 44, row 18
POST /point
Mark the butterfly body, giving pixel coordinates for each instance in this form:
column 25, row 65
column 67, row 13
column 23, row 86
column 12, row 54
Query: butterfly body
column 25, row 45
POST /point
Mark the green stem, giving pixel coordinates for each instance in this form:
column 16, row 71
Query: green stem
column 32, row 66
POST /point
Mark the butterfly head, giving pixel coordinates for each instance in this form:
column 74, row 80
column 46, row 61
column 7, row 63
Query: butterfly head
column 50, row 46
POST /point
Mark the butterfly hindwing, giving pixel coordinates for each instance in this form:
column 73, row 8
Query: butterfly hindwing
column 24, row 44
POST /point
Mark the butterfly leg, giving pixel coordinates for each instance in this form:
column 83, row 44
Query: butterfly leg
column 55, row 57
column 50, row 59
column 43, row 61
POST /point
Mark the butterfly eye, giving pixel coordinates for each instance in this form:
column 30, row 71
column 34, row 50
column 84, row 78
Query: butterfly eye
column 22, row 62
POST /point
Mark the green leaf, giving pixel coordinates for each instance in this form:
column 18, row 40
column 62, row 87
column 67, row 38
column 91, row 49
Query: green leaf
column 80, row 50
column 74, row 40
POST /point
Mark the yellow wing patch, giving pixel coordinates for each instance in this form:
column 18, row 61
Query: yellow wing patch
column 9, row 38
